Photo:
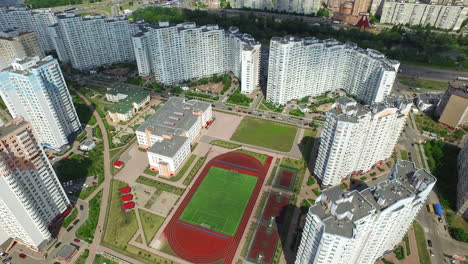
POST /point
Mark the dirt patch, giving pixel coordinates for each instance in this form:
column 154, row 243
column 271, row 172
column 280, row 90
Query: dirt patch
column 224, row 126
column 164, row 203
column 324, row 107
column 142, row 193
column 117, row 71
column 214, row 88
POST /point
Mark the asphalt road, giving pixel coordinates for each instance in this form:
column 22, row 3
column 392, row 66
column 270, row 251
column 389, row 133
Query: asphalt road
column 430, row 73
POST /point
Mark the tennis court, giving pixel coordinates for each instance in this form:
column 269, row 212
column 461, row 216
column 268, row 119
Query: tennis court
column 220, row 201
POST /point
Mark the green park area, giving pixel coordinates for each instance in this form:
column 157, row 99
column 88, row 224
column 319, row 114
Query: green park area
column 423, row 83
column 220, row 201
column 427, row 123
column 264, row 133
column 150, row 224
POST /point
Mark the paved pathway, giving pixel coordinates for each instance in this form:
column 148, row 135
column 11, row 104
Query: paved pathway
column 105, row 186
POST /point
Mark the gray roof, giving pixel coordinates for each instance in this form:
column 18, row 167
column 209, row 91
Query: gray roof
column 429, row 98
column 347, row 110
column 67, row 251
column 340, row 210
column 174, row 118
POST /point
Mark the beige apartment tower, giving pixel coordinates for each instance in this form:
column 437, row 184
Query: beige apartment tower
column 31, row 197
column 453, row 107
column 18, row 45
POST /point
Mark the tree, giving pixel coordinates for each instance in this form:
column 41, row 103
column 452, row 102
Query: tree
column 322, row 12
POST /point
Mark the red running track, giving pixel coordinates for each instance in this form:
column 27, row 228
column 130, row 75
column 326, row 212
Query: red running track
column 200, row 245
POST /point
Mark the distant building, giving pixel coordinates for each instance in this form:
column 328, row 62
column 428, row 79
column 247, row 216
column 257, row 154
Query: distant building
column 127, row 101
column 18, row 45
column 449, row 15
column 462, row 185
column 359, row 227
column 31, row 197
column 36, row 90
column 169, row 133
column 356, row 137
column 29, row 20
column 427, row 102
column 92, row 41
column 301, row 7
column 175, row 53
column 310, row 67
column 453, row 107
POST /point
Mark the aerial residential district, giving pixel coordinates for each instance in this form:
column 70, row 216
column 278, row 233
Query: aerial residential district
column 217, row 131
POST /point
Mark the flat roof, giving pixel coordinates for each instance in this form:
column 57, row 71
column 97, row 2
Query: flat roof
column 134, row 95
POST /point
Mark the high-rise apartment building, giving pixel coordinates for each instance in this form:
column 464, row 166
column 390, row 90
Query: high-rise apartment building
column 358, row 227
column 27, row 20
column 356, row 137
column 31, row 197
column 453, row 106
column 92, row 41
column 310, row 67
column 295, row 6
column 36, row 90
column 175, row 53
column 18, row 45
column 439, row 15
column 462, row 185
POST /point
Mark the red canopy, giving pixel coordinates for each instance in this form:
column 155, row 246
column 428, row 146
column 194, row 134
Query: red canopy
column 118, row 163
column 128, row 205
column 125, row 189
column 127, row 197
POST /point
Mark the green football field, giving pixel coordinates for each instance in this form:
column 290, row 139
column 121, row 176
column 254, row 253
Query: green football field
column 220, row 201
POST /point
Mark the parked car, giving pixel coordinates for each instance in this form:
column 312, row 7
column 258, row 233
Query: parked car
column 76, row 221
column 77, row 240
column 58, row 244
column 429, row 243
column 69, row 228
column 22, row 255
column 81, row 207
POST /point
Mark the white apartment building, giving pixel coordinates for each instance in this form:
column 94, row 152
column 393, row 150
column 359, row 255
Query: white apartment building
column 310, row 67
column 175, row 53
column 36, row 90
column 92, row 41
column 444, row 16
column 28, row 20
column 169, row 133
column 31, row 197
column 358, row 227
column 356, row 137
column 294, row 6
column 462, row 185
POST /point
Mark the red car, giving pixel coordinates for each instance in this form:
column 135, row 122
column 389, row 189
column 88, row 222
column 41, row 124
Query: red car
column 66, row 157
column 77, row 240
column 22, row 255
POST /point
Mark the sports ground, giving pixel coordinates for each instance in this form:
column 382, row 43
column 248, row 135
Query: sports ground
column 220, row 200
column 208, row 225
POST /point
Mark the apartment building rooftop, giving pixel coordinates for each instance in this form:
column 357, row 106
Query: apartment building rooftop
column 169, row 146
column 133, row 95
column 340, row 210
column 11, row 126
column 348, row 110
column 27, row 65
column 388, row 64
column 11, row 34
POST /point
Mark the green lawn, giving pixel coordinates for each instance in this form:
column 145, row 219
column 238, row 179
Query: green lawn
column 424, row 257
column 70, row 218
column 404, row 154
column 150, row 224
column 194, row 170
column 225, row 144
column 121, row 225
column 422, row 83
column 264, row 133
column 100, row 259
column 426, row 123
column 83, row 257
column 220, row 201
column 87, row 229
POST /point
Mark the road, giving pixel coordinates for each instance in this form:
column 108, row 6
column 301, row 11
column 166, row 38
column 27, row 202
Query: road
column 442, row 243
column 105, row 186
column 430, row 73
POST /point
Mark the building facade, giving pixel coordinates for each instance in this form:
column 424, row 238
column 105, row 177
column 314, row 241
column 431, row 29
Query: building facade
column 28, row 20
column 31, row 197
column 295, row 6
column 453, row 107
column 92, row 41
column 127, row 102
column 36, row 90
column 174, row 53
column 358, row 227
column 168, row 134
column 356, row 137
column 440, row 15
column 462, row 185
column 18, row 45
column 310, row 67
